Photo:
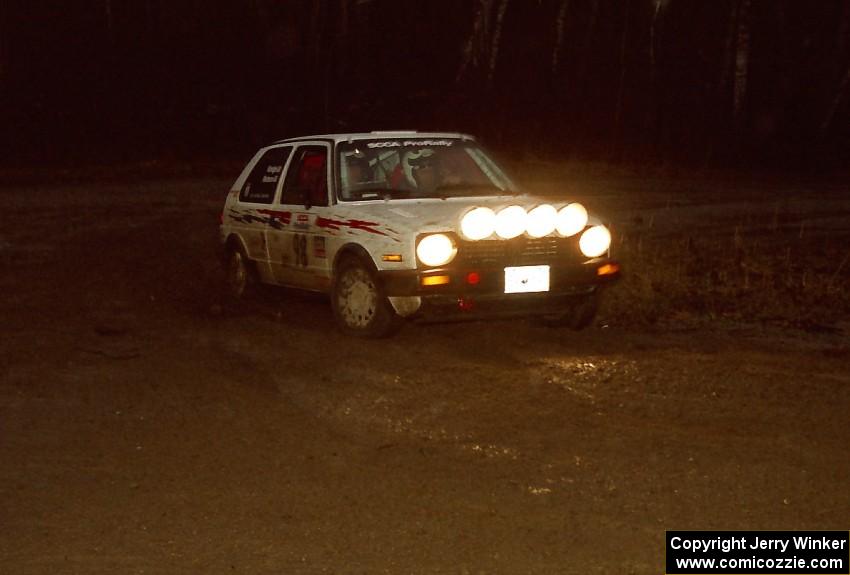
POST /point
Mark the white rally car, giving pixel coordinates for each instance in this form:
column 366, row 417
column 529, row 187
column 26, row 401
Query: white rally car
column 398, row 225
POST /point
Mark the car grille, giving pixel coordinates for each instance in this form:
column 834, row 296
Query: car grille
column 519, row 251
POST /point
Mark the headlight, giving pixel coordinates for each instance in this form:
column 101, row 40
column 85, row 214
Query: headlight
column 571, row 220
column 510, row 222
column 595, row 241
column 478, row 224
column 436, row 250
column 541, row 221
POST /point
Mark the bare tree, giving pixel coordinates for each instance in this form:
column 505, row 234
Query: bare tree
column 618, row 113
column 842, row 41
column 588, row 39
column 560, row 20
column 2, row 41
column 656, row 16
column 484, row 41
column 833, row 108
column 844, row 29
column 742, row 61
column 729, row 49
column 110, row 21
column 473, row 48
column 497, row 35
column 343, row 19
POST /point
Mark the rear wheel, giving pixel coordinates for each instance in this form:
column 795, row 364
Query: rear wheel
column 359, row 305
column 240, row 279
column 578, row 316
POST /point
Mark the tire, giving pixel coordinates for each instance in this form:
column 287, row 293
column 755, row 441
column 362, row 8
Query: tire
column 359, row 305
column 579, row 316
column 240, row 277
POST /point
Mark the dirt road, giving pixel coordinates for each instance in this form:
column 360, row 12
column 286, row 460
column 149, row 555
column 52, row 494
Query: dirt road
column 143, row 429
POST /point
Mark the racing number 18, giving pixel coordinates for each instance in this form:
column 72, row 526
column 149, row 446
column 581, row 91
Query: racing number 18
column 299, row 245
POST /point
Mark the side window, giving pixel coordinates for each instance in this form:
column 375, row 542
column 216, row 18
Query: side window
column 307, row 178
column 261, row 184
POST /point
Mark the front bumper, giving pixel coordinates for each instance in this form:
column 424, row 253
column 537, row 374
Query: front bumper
column 479, row 292
column 564, row 279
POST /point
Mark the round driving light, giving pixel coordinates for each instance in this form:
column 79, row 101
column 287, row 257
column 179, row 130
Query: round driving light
column 595, row 241
column 478, row 224
column 436, row 250
column 541, row 221
column 571, row 220
column 510, row 222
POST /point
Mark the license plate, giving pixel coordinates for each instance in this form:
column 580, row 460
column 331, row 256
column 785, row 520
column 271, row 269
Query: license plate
column 527, row 279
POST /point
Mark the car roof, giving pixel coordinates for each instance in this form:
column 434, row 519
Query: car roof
column 390, row 134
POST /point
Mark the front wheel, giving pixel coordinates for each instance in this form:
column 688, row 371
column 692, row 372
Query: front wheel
column 359, row 306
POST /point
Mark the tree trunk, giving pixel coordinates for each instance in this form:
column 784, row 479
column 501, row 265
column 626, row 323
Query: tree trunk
column 477, row 37
column 654, row 116
column 148, row 17
column 833, row 108
column 2, row 42
column 497, row 35
column 559, row 34
column 729, row 50
column 110, row 22
column 343, row 19
column 656, row 14
column 840, row 56
column 742, row 62
column 343, row 57
column 618, row 112
column 588, row 40
column 844, row 30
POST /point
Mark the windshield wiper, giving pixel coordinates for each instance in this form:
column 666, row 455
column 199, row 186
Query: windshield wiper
column 477, row 188
column 375, row 193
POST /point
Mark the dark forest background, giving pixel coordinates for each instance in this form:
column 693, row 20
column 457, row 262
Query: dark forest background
column 685, row 82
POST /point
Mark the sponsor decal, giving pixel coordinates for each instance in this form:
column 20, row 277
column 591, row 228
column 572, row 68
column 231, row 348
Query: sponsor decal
column 299, row 246
column 272, row 174
column 350, row 224
column 302, row 221
column 277, row 215
column 319, row 247
column 410, row 143
column 247, row 217
column 273, row 218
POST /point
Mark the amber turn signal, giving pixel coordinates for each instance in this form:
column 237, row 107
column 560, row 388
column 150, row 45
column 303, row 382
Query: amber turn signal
column 435, row 280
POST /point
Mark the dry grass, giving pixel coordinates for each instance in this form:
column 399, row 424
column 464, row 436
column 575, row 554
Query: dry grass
column 703, row 249
column 743, row 273
column 695, row 248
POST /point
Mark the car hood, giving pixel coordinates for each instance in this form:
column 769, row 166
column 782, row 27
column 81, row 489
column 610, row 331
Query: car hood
column 438, row 215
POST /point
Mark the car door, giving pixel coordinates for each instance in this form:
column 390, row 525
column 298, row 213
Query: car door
column 299, row 250
column 255, row 201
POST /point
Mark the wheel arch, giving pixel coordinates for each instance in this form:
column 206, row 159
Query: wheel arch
column 385, row 321
column 235, row 241
column 356, row 250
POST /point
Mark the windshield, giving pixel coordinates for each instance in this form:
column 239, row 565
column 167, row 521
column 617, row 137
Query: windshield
column 417, row 168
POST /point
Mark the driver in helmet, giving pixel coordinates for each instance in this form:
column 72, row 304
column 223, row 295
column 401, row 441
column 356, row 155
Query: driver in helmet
column 421, row 170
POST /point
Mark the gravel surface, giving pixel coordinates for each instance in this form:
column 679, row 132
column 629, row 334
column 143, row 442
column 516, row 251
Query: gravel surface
column 146, row 428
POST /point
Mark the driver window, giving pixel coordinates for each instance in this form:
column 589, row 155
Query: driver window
column 307, row 178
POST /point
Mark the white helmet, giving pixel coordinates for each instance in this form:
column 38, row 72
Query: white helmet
column 415, row 159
